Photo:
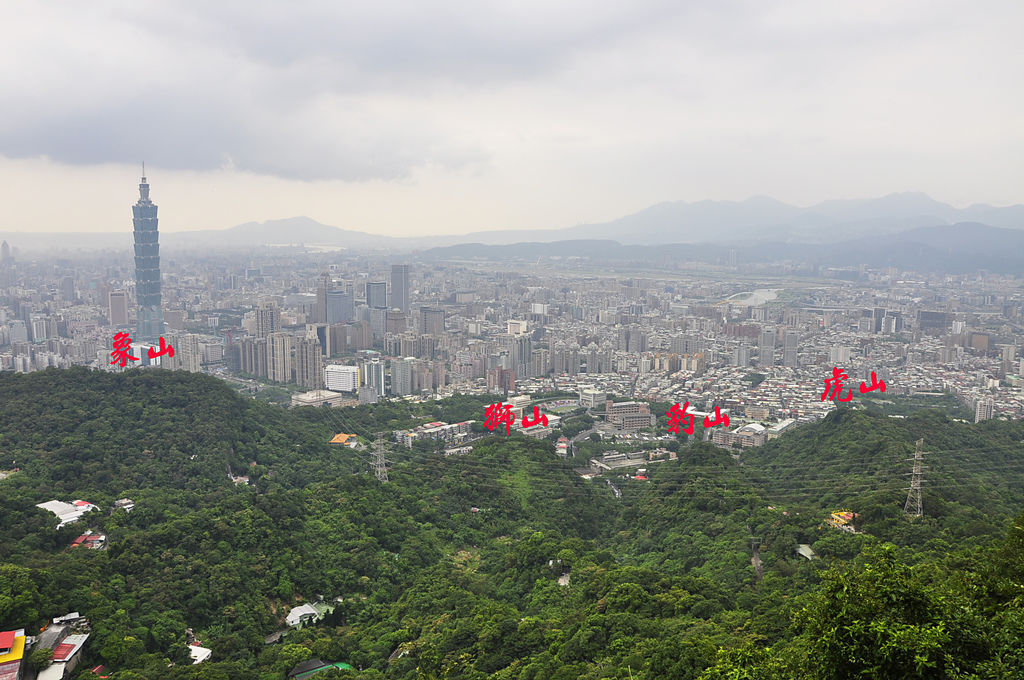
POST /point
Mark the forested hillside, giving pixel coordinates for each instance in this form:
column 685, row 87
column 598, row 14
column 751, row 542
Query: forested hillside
column 502, row 562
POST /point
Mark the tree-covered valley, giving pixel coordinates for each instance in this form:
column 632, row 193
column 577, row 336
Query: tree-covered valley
column 502, row 562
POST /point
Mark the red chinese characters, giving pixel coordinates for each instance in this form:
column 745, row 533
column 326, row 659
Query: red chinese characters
column 876, row 384
column 835, row 386
column 122, row 345
column 720, row 419
column 497, row 414
column 677, row 415
column 538, row 417
column 164, row 349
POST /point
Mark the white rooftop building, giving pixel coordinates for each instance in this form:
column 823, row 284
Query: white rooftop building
column 67, row 512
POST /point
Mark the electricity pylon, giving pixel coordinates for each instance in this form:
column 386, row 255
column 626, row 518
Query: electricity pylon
column 913, row 504
column 378, row 462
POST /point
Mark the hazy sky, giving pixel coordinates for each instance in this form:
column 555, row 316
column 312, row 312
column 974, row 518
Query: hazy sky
column 440, row 117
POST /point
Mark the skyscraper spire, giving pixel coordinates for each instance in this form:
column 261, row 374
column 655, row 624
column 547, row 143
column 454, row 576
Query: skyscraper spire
column 147, row 266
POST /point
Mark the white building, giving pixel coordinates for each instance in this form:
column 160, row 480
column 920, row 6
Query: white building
column 339, row 378
column 67, row 512
column 302, row 614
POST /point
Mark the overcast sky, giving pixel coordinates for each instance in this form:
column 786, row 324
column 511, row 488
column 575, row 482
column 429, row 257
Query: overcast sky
column 441, row 117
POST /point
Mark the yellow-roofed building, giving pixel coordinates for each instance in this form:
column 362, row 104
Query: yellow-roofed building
column 345, row 439
column 12, row 649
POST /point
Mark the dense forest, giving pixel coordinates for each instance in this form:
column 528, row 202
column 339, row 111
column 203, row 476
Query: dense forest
column 502, row 562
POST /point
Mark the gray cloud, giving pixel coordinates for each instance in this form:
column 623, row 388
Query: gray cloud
column 367, row 91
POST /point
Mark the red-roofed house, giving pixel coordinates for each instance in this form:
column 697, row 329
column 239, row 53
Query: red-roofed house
column 66, row 656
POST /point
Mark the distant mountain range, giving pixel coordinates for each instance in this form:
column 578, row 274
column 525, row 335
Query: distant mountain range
column 956, row 248
column 754, row 221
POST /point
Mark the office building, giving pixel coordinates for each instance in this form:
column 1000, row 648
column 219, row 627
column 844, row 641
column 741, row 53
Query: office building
column 67, row 289
column 339, row 378
column 117, row 302
column 150, row 321
column 340, row 307
column 396, row 322
column 766, row 347
column 309, row 364
column 431, row 321
column 324, row 284
column 377, row 295
column 400, row 287
column 268, row 319
column 741, row 356
column 279, row 357
column 337, row 339
column 789, row 349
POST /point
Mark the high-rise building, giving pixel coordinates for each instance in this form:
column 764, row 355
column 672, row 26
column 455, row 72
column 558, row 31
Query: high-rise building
column 520, row 351
column 766, row 347
column 18, row 331
column 117, row 300
column 324, row 284
column 147, row 267
column 253, row 356
column 377, row 295
column 337, row 339
column 373, row 375
column 401, row 376
column 188, row 354
column 340, row 307
column 396, row 322
column 431, row 321
column 400, row 287
column 339, row 378
column 984, row 409
column 5, row 253
column 279, row 357
column 309, row 364
column 741, row 356
column 67, row 289
column 268, row 319
column 789, row 349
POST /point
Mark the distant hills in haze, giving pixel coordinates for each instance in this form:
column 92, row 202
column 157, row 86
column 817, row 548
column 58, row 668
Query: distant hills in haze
column 760, row 223
column 756, row 219
column 956, row 248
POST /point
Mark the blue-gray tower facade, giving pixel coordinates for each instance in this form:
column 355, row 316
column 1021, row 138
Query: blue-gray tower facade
column 147, row 267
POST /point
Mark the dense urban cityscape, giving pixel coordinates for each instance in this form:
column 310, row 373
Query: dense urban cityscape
column 349, row 327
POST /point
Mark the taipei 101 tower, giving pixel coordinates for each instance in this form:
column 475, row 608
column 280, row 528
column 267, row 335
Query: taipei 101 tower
column 147, row 266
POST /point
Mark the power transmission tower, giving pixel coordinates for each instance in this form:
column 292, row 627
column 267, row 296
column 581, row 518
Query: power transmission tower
column 913, row 504
column 378, row 462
